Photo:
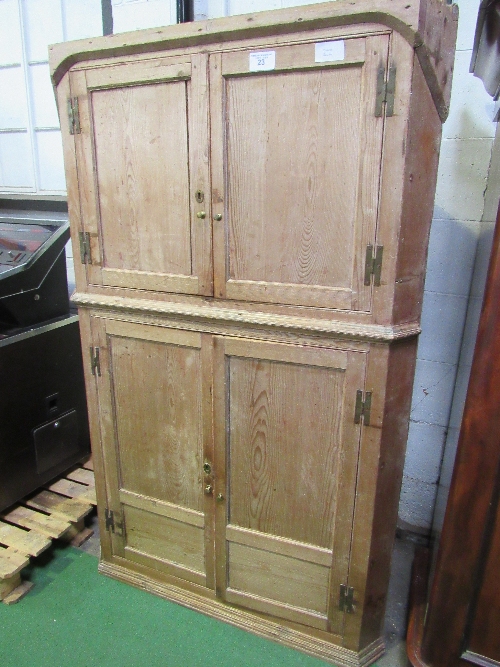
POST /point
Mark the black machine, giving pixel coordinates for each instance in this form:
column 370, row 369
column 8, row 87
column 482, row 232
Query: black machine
column 43, row 411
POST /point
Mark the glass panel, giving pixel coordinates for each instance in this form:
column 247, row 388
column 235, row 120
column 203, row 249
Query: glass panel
column 50, row 161
column 13, row 105
column 43, row 26
column 10, row 33
column 42, row 97
column 82, row 18
column 16, row 161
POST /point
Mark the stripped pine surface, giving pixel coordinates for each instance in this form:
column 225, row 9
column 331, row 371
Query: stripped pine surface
column 27, row 529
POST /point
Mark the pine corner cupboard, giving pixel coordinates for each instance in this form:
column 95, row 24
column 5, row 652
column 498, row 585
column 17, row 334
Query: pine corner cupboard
column 250, row 199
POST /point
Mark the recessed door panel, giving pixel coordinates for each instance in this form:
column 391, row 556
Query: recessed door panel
column 143, row 192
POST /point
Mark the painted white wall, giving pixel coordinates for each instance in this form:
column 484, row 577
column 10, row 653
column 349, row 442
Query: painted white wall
column 31, row 162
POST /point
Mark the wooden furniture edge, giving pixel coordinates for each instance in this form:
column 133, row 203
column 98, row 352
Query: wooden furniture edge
column 418, row 603
column 410, row 21
column 239, row 618
column 179, row 311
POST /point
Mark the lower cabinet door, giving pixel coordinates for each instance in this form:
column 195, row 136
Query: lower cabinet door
column 286, row 450
column 154, row 430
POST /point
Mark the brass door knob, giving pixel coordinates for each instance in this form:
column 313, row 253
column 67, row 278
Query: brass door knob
column 201, row 215
column 209, row 489
column 218, row 217
column 220, row 498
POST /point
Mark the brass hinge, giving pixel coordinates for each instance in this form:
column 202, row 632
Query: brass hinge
column 363, row 407
column 73, row 115
column 346, row 599
column 85, row 252
column 373, row 264
column 386, row 91
column 95, row 361
column 111, row 522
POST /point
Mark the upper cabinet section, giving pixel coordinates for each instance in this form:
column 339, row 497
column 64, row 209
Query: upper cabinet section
column 284, row 161
column 142, row 165
column 296, row 154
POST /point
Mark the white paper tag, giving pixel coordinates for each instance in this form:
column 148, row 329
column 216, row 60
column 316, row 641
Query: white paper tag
column 327, row 52
column 262, row 61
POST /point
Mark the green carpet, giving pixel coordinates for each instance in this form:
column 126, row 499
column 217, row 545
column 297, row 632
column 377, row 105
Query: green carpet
column 75, row 617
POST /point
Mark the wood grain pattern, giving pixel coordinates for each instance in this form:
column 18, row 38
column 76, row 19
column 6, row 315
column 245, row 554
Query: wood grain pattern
column 308, row 356
column 155, row 334
column 281, row 610
column 159, row 282
column 158, row 419
column 284, row 448
column 317, row 296
column 278, row 578
column 218, row 193
column 136, row 73
column 420, row 177
column 74, row 490
column 27, row 542
column 207, row 363
column 70, row 508
column 371, row 145
column 158, row 566
column 143, row 197
column 87, row 206
column 165, row 539
column 11, row 562
column 170, row 510
column 279, row 545
column 248, row 323
column 63, row 92
column 44, row 524
column 200, row 177
column 390, row 372
column 284, row 222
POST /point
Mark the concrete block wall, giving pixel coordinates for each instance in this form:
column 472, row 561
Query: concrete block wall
column 454, row 284
column 491, row 202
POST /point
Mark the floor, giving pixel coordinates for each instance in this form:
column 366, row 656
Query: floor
column 397, row 604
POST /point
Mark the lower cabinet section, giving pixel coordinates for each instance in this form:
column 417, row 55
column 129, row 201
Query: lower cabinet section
column 229, row 469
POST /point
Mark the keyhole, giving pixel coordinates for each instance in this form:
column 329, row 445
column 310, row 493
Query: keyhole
column 199, row 196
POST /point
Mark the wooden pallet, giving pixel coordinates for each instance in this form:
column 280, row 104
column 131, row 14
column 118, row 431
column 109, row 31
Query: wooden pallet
column 57, row 511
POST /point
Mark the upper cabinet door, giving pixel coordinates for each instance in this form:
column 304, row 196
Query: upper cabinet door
column 142, row 165
column 296, row 154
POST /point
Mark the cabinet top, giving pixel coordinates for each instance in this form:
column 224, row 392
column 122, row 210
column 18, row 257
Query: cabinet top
column 429, row 26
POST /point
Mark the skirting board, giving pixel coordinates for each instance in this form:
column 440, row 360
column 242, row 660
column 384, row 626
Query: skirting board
column 247, row 621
